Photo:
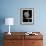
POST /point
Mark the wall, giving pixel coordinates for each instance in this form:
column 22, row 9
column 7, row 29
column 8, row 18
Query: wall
column 11, row 8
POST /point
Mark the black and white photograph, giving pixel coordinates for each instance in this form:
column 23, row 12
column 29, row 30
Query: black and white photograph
column 27, row 15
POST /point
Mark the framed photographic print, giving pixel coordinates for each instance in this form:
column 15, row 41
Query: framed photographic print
column 27, row 15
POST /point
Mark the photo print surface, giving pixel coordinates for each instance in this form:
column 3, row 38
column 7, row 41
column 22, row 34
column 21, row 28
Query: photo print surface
column 27, row 16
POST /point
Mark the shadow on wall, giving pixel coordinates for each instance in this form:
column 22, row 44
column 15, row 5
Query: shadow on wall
column 2, row 21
